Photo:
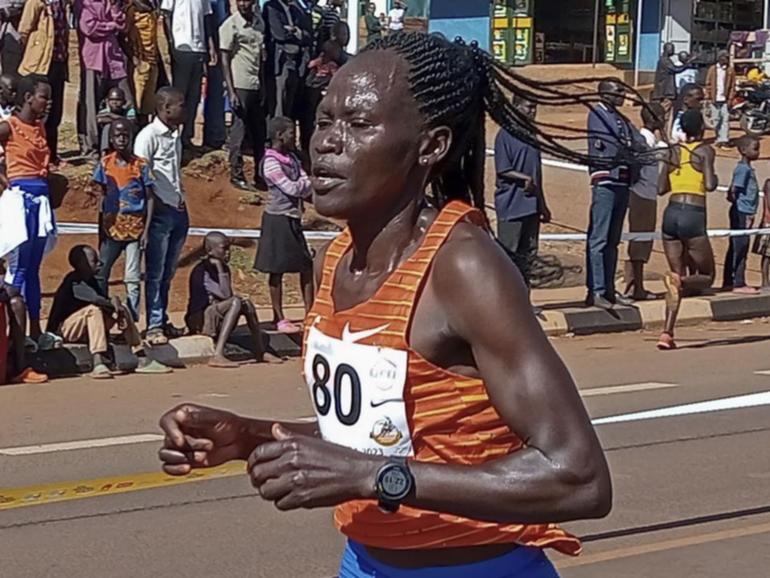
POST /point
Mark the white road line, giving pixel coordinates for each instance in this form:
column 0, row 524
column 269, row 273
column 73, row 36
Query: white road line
column 631, row 387
column 762, row 372
column 737, row 402
column 80, row 445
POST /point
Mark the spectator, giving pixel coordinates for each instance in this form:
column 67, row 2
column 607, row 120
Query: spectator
column 284, row 41
column 743, row 196
column 214, row 130
column 519, row 201
column 16, row 312
column 665, row 90
column 82, row 313
column 609, row 132
column 160, row 144
column 396, row 17
column 642, row 203
column 720, row 91
column 214, row 309
column 26, row 217
column 142, row 20
column 191, row 26
column 282, row 246
column 373, row 24
column 9, row 84
column 101, row 24
column 689, row 74
column 10, row 41
column 242, row 45
column 690, row 98
column 45, row 38
column 330, row 17
column 127, row 208
column 116, row 109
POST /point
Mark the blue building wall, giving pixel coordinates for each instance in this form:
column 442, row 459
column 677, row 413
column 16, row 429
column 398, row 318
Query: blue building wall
column 649, row 34
column 466, row 18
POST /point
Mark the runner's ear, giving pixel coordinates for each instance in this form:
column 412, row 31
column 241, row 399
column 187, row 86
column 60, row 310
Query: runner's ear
column 434, row 145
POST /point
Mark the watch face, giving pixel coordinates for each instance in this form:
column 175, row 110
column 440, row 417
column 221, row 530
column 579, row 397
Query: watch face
column 394, row 483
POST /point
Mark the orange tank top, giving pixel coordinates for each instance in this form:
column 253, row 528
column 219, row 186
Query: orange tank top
column 372, row 392
column 27, row 154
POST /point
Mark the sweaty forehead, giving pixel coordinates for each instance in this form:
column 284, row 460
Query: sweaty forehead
column 373, row 80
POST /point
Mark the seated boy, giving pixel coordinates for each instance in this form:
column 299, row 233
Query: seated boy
column 115, row 109
column 16, row 315
column 213, row 310
column 81, row 313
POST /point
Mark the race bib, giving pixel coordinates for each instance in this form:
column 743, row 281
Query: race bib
column 358, row 392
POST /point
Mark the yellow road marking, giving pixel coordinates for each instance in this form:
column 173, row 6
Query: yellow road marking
column 78, row 490
column 642, row 549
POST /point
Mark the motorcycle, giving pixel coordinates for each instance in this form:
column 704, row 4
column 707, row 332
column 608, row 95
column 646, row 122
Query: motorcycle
column 752, row 105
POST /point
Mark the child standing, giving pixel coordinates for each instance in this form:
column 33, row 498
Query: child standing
column 214, row 310
column 282, row 246
column 743, row 196
column 116, row 108
column 127, row 209
column 26, row 216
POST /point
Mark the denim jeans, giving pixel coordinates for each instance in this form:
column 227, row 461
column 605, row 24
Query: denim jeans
column 108, row 254
column 721, row 116
column 738, row 253
column 166, row 237
column 608, row 211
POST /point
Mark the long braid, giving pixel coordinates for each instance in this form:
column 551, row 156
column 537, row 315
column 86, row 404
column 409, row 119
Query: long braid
column 456, row 85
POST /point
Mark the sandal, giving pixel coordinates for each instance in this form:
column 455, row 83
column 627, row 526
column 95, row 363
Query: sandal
column 155, row 337
column 286, row 326
column 151, row 367
column 101, row 371
column 666, row 342
column 49, row 341
column 29, row 376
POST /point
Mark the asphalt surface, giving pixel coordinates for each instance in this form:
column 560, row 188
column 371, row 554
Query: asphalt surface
column 691, row 491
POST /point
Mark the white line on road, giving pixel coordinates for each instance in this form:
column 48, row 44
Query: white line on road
column 631, row 387
column 762, row 372
column 737, row 402
column 81, row 444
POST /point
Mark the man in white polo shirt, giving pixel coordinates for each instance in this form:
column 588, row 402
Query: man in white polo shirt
column 189, row 27
column 160, row 144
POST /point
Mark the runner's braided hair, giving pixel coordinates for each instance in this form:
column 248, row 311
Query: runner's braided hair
column 456, row 85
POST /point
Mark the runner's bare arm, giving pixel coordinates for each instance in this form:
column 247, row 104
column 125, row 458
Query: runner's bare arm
column 561, row 474
column 203, row 437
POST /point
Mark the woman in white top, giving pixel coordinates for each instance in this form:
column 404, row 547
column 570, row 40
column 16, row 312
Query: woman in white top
column 396, row 16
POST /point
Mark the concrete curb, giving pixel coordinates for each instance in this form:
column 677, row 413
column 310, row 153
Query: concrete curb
column 651, row 314
column 75, row 359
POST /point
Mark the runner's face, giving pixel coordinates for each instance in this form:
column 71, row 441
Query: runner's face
column 366, row 145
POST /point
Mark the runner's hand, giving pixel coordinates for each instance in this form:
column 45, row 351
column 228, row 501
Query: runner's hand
column 297, row 471
column 199, row 437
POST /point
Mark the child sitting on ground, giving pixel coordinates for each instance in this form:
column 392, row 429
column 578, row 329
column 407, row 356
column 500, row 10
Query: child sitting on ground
column 82, row 313
column 126, row 211
column 743, row 196
column 115, row 109
column 282, row 246
column 214, row 310
column 16, row 315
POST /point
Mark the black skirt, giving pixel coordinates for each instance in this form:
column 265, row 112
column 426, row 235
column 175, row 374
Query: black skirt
column 282, row 246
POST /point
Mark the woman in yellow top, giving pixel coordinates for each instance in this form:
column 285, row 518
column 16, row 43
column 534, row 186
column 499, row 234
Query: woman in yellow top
column 689, row 176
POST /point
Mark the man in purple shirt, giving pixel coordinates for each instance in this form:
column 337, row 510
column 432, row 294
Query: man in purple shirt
column 101, row 22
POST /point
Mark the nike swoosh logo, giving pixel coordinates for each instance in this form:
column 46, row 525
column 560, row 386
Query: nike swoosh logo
column 384, row 401
column 349, row 336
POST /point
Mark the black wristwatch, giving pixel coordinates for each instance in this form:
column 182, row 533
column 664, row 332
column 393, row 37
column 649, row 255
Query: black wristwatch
column 393, row 483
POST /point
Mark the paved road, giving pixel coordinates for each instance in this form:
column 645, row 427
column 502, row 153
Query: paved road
column 691, row 493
